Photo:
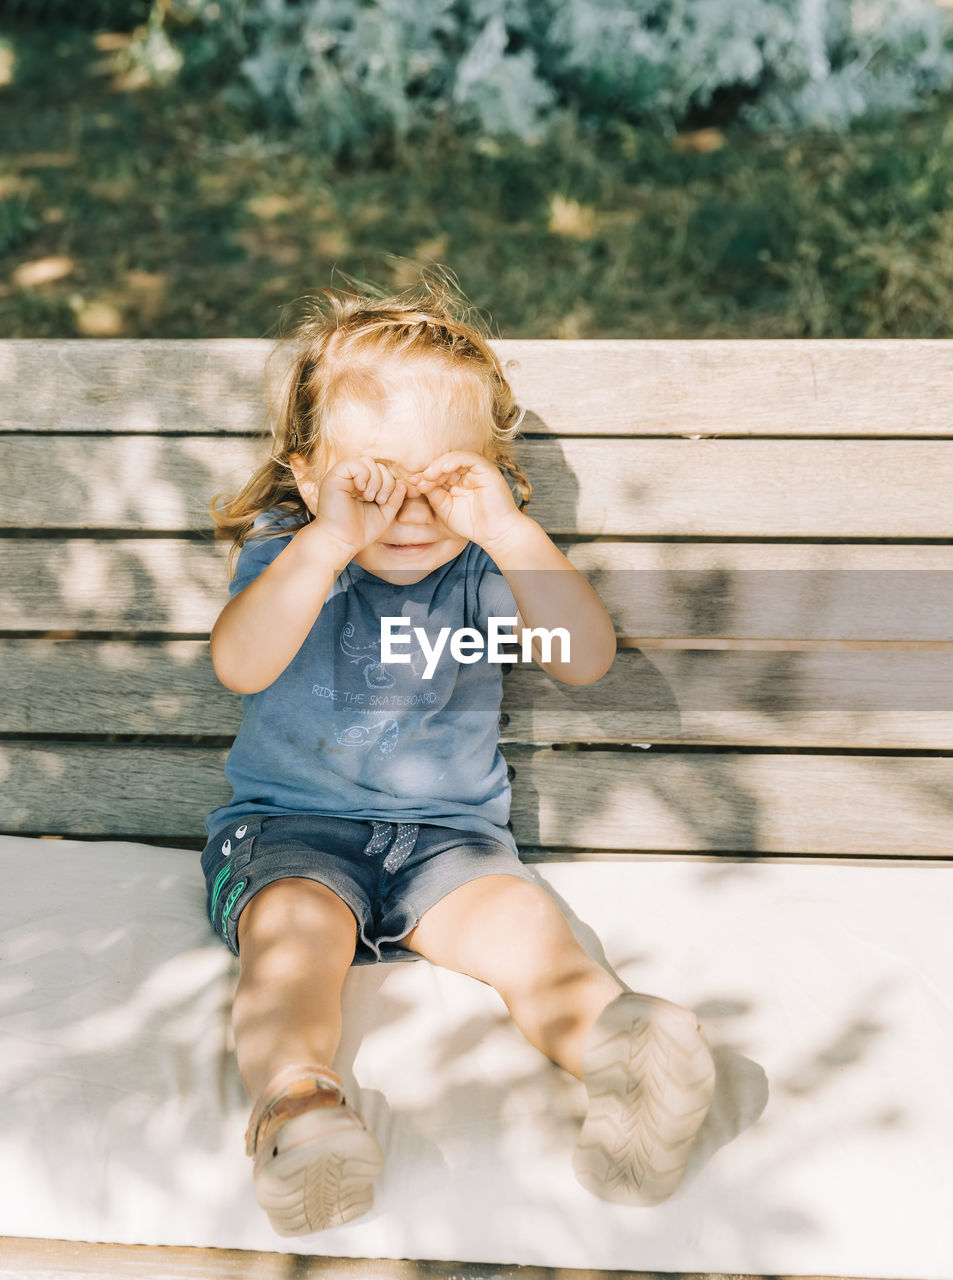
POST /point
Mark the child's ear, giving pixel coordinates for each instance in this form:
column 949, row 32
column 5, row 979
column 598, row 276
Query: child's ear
column 306, row 479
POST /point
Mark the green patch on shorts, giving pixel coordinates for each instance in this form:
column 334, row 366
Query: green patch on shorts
column 219, row 883
column 233, row 897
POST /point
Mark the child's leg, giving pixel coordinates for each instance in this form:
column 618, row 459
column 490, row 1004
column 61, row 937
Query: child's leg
column 645, row 1062
column 296, row 942
column 315, row 1160
column 510, row 933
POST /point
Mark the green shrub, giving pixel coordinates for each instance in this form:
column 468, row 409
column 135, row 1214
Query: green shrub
column 359, row 70
column 788, row 63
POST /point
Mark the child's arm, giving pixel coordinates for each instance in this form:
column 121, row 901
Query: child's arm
column 471, row 497
column 262, row 628
column 550, row 592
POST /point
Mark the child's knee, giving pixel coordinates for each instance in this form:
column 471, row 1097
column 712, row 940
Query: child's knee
column 290, row 910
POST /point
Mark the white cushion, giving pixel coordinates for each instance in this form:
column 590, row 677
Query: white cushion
column 826, row 991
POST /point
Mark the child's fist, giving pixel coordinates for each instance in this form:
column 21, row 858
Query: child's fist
column 468, row 494
column 355, row 502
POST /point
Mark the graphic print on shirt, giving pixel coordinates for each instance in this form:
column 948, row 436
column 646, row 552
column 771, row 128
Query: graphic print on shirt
column 381, row 735
column 376, row 675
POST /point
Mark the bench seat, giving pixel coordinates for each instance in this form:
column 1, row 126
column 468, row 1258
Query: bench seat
column 770, row 526
column 826, row 989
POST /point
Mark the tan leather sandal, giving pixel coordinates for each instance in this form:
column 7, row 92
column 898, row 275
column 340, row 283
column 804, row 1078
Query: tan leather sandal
column 650, row 1077
column 315, row 1159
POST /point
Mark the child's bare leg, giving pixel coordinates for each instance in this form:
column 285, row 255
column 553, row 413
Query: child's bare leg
column 315, row 1160
column 645, row 1062
column 296, row 941
column 510, row 934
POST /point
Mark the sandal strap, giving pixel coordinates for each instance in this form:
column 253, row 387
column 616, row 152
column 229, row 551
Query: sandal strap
column 291, row 1084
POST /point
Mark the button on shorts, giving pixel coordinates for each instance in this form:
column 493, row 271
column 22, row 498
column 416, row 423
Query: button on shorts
column 245, row 856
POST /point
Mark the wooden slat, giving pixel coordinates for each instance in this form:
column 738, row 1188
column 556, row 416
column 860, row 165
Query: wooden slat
column 150, row 585
column 595, row 387
column 745, row 388
column 827, row 804
column 648, row 488
column 872, row 806
column 75, row 1260
column 655, row 592
column 113, row 687
column 901, row 699
column 119, row 385
column 124, row 482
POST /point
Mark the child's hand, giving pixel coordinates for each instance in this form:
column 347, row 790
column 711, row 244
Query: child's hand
column 355, row 502
column 469, row 495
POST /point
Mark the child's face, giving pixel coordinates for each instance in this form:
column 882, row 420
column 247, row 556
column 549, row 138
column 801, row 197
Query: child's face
column 406, row 435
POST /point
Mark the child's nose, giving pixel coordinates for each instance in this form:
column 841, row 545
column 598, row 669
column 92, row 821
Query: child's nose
column 415, row 509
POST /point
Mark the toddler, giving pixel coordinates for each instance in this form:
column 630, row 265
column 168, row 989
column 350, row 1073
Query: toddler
column 370, row 811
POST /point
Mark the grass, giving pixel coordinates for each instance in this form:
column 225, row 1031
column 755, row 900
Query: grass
column 132, row 210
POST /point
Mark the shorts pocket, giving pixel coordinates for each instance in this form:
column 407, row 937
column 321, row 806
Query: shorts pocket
column 225, row 858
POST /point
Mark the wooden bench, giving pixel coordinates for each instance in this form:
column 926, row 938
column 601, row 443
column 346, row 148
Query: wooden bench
column 769, row 524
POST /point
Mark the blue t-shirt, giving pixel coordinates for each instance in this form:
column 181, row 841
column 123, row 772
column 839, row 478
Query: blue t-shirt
column 343, row 734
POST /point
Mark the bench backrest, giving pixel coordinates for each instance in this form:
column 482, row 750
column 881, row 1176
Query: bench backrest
column 768, row 522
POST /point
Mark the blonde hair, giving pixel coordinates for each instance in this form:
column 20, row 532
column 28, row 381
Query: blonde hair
column 342, row 349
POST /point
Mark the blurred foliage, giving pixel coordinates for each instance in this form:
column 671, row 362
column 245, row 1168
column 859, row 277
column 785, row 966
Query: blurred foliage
column 357, row 71
column 18, row 221
column 132, row 207
column 88, row 15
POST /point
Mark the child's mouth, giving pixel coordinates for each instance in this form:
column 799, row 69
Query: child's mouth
column 407, row 546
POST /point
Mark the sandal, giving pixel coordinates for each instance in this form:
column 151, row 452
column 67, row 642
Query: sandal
column 650, row 1078
column 315, row 1159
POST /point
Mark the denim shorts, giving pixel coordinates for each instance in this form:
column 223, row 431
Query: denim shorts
column 388, row 873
